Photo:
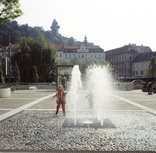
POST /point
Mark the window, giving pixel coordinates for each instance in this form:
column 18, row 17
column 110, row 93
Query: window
column 60, row 54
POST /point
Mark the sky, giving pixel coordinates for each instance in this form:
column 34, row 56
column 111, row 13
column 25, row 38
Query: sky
column 106, row 23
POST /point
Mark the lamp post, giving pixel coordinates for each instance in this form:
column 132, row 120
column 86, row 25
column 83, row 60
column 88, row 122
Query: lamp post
column 7, row 56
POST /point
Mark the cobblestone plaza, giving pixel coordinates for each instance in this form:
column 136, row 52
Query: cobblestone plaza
column 28, row 124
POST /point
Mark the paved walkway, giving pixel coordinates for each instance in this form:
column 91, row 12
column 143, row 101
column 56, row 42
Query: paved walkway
column 28, row 124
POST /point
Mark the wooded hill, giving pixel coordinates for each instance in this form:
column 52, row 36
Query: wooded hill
column 12, row 31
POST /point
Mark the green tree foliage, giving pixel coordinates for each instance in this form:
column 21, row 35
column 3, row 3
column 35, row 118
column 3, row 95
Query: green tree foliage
column 35, row 74
column 2, row 77
column 9, row 10
column 83, row 65
column 151, row 70
column 34, row 52
column 71, row 41
column 16, row 73
column 11, row 32
column 2, row 59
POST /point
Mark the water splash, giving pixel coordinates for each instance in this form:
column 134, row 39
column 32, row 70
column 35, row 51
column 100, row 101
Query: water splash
column 96, row 83
column 73, row 95
column 98, row 80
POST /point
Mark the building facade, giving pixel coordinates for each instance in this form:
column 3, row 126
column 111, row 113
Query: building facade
column 140, row 64
column 82, row 52
column 129, row 61
column 122, row 58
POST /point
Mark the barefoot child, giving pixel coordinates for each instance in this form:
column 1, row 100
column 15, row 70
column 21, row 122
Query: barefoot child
column 61, row 94
column 90, row 99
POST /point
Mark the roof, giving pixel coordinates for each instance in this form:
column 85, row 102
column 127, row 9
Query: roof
column 90, row 48
column 144, row 57
column 77, row 47
column 128, row 48
column 59, row 47
column 11, row 47
column 93, row 47
column 71, row 47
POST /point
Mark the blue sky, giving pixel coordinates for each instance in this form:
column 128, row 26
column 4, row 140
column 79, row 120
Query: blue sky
column 107, row 23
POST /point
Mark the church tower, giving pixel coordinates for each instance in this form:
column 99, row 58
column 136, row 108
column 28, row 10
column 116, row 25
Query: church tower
column 85, row 40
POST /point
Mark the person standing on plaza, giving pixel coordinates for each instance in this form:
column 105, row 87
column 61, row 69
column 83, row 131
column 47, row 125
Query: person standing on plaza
column 149, row 87
column 61, row 95
column 63, row 81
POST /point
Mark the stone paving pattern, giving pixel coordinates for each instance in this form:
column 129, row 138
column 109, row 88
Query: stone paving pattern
column 38, row 129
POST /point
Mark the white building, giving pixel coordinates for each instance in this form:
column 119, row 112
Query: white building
column 140, row 64
column 82, row 52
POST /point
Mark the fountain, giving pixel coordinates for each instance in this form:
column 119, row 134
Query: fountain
column 87, row 98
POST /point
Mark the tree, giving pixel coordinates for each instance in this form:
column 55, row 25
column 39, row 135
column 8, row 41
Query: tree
column 34, row 52
column 83, row 65
column 35, row 74
column 2, row 77
column 151, row 70
column 16, row 73
column 71, row 41
column 9, row 10
column 10, row 32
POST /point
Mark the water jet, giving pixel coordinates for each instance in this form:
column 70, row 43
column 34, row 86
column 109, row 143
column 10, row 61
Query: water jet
column 97, row 81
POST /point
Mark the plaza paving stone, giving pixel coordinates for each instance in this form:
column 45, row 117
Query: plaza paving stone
column 37, row 129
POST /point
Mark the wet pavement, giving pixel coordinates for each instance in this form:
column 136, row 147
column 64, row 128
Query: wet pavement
column 28, row 124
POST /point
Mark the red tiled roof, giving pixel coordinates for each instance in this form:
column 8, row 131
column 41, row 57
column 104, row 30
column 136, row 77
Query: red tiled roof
column 11, row 46
column 93, row 47
column 71, row 47
column 59, row 47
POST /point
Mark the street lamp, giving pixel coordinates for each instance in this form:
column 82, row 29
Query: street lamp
column 7, row 56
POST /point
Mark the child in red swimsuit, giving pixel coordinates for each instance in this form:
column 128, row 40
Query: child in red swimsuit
column 61, row 94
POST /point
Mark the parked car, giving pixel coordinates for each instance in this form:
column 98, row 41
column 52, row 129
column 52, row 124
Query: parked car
column 53, row 83
column 138, row 82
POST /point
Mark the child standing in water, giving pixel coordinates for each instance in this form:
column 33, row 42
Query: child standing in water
column 90, row 99
column 61, row 94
